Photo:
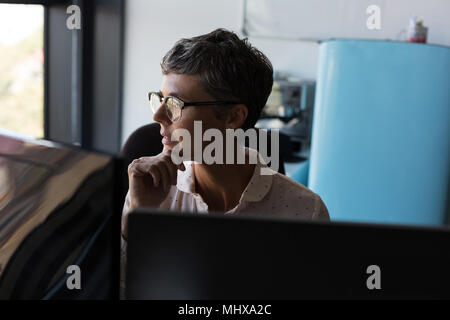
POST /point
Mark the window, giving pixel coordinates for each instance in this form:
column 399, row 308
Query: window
column 59, row 83
column 22, row 68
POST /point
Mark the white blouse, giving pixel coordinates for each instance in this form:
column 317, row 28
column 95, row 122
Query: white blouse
column 265, row 195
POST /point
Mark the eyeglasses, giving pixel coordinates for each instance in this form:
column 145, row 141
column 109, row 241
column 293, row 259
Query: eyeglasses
column 174, row 105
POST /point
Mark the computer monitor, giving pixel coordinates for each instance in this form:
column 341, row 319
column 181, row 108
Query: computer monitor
column 195, row 256
column 60, row 207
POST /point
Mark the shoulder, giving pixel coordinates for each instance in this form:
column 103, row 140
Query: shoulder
column 298, row 197
column 282, row 182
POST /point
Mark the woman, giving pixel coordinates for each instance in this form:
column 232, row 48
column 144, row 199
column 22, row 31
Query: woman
column 232, row 81
column 223, row 82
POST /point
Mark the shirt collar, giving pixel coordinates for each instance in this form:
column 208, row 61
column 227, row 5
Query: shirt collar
column 186, row 178
column 257, row 188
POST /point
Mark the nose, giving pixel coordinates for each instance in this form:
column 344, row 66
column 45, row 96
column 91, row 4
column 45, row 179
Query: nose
column 160, row 115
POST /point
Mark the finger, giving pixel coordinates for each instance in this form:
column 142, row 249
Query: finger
column 172, row 169
column 136, row 168
column 156, row 175
column 174, row 175
column 177, row 166
column 165, row 175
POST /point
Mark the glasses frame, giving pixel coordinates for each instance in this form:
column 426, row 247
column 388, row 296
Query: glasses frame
column 163, row 100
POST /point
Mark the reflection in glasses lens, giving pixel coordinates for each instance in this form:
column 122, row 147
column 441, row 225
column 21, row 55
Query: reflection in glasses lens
column 173, row 106
column 155, row 102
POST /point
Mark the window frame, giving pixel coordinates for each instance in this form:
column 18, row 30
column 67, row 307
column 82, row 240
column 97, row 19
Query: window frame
column 83, row 73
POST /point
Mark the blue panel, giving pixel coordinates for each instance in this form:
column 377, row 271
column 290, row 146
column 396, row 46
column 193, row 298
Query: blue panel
column 380, row 144
column 300, row 172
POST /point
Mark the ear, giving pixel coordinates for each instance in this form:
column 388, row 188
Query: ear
column 236, row 116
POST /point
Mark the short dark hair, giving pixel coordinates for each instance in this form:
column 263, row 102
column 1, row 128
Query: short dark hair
column 229, row 68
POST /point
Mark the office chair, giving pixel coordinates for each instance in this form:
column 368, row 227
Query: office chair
column 146, row 141
column 143, row 142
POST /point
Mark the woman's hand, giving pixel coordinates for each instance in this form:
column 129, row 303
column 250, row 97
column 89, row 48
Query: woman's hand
column 150, row 179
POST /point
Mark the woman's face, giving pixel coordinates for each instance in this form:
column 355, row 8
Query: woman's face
column 187, row 88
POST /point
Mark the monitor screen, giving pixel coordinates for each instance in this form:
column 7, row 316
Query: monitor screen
column 59, row 221
column 178, row 256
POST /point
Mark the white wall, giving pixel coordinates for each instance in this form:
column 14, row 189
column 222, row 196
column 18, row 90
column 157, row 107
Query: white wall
column 322, row 19
column 153, row 26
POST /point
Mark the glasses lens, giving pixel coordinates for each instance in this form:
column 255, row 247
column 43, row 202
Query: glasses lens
column 155, row 102
column 174, row 107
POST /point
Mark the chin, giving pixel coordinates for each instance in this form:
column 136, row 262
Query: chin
column 168, row 146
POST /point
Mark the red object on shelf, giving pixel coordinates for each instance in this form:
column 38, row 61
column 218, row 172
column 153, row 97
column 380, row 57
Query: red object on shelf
column 417, row 32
